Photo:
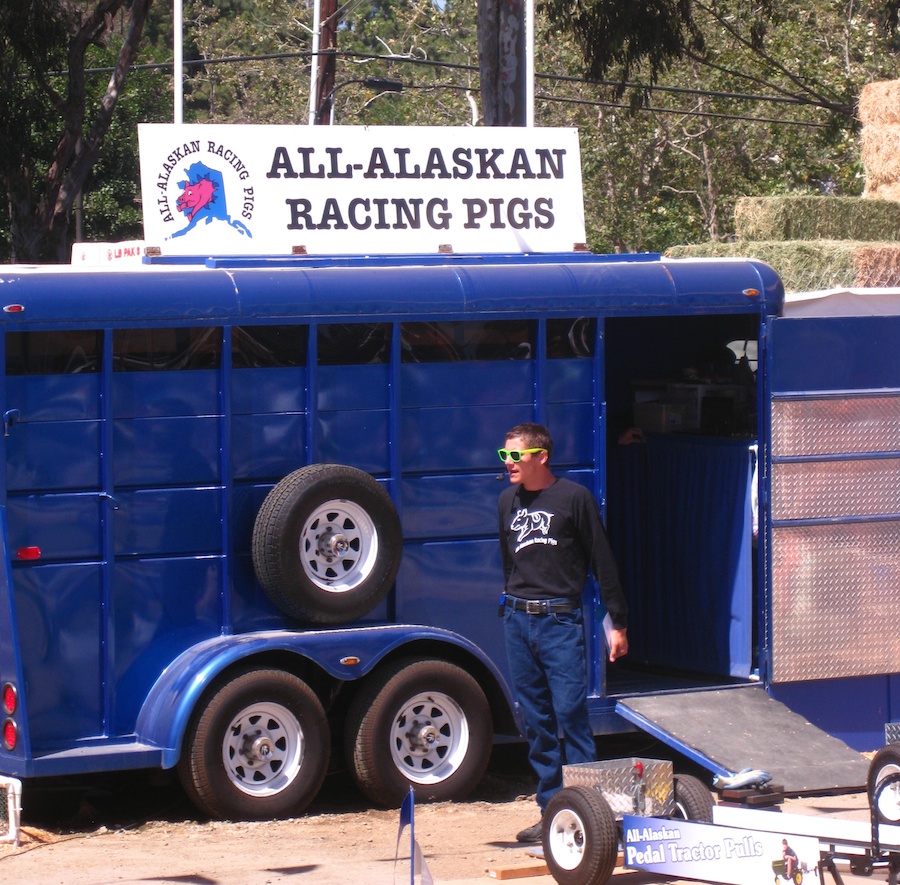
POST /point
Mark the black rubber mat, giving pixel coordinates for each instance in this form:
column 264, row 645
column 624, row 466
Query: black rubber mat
column 742, row 727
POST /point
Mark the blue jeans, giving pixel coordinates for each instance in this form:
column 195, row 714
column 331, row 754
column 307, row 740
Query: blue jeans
column 547, row 661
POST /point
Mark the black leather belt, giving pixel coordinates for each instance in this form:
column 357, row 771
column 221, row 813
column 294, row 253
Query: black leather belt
column 541, row 606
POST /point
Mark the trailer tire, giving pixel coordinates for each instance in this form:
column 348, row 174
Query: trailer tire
column 327, row 544
column 424, row 724
column 258, row 749
column 883, row 784
column 580, row 837
column 693, row 801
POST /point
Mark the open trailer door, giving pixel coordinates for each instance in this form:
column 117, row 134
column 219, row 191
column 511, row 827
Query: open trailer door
column 834, row 513
column 830, row 531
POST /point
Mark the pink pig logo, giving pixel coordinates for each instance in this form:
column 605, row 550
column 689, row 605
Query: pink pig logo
column 202, row 199
column 196, row 196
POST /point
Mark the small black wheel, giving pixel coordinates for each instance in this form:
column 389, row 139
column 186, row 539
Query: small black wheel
column 327, row 544
column 580, row 837
column 425, row 724
column 693, row 801
column 883, row 783
column 258, row 749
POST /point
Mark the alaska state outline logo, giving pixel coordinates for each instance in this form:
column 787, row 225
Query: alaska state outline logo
column 202, row 199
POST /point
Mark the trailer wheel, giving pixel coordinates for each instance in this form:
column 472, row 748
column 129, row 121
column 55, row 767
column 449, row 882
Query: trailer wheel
column 580, row 837
column 425, row 724
column 258, row 749
column 883, row 783
column 327, row 544
column 693, row 801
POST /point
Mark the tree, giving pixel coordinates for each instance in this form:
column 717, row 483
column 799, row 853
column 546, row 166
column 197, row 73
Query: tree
column 624, row 38
column 51, row 129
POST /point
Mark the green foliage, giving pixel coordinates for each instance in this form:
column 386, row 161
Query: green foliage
column 670, row 172
column 628, row 33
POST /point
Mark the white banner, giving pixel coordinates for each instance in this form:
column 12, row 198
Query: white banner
column 231, row 189
column 97, row 254
column 712, row 853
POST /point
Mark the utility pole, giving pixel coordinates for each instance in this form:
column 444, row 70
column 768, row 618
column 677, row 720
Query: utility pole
column 325, row 62
column 503, row 62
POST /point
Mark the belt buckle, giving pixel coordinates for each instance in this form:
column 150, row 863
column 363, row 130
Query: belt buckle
column 535, row 606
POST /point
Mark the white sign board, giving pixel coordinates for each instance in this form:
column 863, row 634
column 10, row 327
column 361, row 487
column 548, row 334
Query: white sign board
column 713, row 853
column 98, row 254
column 264, row 190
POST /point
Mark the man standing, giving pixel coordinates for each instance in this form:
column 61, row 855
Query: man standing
column 551, row 535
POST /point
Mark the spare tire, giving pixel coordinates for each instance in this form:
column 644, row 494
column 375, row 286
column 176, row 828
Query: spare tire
column 327, row 544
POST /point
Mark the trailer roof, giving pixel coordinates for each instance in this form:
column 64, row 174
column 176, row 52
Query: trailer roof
column 338, row 288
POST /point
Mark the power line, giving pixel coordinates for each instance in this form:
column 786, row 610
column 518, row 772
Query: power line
column 561, row 78
column 683, row 113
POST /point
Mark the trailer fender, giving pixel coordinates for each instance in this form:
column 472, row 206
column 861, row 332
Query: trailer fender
column 345, row 655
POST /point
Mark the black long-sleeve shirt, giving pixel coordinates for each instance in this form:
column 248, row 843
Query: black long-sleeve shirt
column 549, row 539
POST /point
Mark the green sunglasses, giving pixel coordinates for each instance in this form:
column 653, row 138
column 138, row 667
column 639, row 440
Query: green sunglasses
column 515, row 456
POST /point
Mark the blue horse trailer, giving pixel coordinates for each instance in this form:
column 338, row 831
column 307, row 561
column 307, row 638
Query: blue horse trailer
column 248, row 515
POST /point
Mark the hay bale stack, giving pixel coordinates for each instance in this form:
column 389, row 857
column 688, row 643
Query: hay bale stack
column 880, row 156
column 877, row 265
column 879, row 103
column 802, row 265
column 806, row 265
column 816, row 218
column 830, row 242
column 879, row 113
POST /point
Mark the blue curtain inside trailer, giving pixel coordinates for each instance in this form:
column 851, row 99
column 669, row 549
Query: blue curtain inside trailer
column 680, row 521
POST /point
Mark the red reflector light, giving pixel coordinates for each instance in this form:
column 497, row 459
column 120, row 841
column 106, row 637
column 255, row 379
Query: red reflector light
column 10, row 734
column 639, row 769
column 10, row 698
column 29, row 553
column 14, row 308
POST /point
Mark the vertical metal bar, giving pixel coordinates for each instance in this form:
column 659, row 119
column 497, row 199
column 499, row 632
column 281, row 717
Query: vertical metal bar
column 540, row 373
column 597, row 671
column 227, row 486
column 395, row 430
column 312, row 387
column 763, row 500
column 107, row 526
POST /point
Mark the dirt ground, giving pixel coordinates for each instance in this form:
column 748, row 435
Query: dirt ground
column 131, row 830
column 127, row 829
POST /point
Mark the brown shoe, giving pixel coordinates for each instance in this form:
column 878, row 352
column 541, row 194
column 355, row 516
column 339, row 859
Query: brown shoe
column 532, row 834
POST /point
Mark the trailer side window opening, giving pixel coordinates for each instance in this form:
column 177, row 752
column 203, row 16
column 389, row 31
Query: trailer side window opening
column 268, row 347
column 159, row 350
column 437, row 342
column 571, row 339
column 53, row 353
column 353, row 344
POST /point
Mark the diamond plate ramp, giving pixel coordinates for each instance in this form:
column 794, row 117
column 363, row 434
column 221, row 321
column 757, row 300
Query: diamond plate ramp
column 727, row 730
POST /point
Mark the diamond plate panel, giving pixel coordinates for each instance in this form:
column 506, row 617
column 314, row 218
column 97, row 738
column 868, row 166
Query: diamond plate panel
column 650, row 795
column 835, row 605
column 827, row 489
column 831, row 426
